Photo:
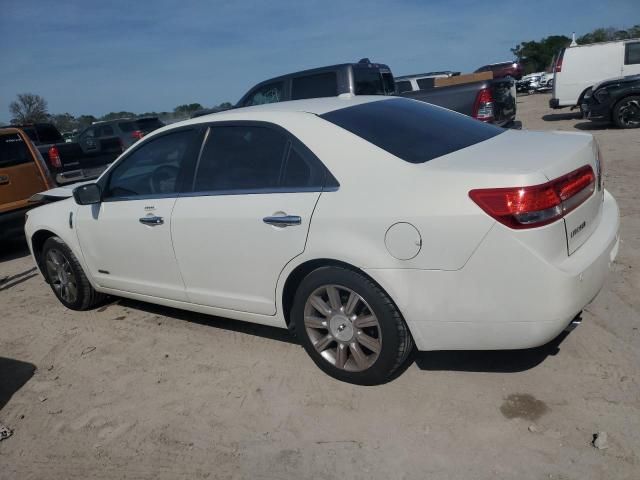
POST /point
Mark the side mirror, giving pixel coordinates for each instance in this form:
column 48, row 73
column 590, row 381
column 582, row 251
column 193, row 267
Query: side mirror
column 87, row 194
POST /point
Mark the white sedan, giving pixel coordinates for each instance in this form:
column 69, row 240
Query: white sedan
column 367, row 225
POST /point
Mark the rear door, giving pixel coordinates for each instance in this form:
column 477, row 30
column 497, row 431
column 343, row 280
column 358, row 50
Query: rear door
column 631, row 59
column 20, row 177
column 254, row 191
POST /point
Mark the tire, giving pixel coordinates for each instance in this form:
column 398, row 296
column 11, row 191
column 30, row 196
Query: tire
column 66, row 277
column 626, row 113
column 342, row 341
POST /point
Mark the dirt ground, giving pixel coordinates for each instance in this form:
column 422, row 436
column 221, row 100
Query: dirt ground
column 131, row 390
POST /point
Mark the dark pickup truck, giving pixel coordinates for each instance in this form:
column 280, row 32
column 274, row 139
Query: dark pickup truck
column 70, row 161
column 491, row 101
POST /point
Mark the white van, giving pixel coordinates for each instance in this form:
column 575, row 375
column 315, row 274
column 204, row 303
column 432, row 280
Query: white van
column 578, row 68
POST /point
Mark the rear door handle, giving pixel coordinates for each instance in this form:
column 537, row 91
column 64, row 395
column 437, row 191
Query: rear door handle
column 152, row 220
column 283, row 220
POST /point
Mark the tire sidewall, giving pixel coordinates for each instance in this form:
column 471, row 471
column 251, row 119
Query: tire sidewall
column 58, row 244
column 383, row 309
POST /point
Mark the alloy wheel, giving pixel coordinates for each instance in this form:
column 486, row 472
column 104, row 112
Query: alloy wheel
column 342, row 328
column 629, row 113
column 61, row 276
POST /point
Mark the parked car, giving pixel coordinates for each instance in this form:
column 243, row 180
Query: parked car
column 577, row 69
column 128, row 130
column 487, row 100
column 366, row 224
column 511, row 69
column 529, row 83
column 71, row 161
column 22, row 174
column 616, row 100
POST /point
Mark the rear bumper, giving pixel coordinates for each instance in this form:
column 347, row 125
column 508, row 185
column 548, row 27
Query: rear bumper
column 506, row 296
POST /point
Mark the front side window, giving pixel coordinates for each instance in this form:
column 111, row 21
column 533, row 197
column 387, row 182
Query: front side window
column 632, row 53
column 13, row 150
column 271, row 93
column 247, row 158
column 314, row 86
column 153, row 168
column 413, row 131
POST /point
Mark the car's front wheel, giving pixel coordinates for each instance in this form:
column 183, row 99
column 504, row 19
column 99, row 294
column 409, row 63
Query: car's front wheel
column 350, row 327
column 626, row 113
column 66, row 277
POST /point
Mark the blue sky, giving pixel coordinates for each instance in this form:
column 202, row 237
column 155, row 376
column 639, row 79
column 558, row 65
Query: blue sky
column 96, row 57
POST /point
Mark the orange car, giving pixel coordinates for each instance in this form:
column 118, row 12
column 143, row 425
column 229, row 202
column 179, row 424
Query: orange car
column 22, row 174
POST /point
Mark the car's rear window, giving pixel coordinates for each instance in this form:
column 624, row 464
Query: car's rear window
column 148, row 124
column 48, row 134
column 411, row 130
column 13, row 151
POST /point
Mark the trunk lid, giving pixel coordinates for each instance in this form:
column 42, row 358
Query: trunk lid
column 524, row 158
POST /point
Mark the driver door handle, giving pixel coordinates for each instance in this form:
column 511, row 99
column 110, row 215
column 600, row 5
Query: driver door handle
column 152, row 220
column 283, row 220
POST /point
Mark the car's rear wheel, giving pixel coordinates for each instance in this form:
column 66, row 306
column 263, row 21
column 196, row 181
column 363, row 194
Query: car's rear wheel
column 66, row 277
column 350, row 327
column 626, row 113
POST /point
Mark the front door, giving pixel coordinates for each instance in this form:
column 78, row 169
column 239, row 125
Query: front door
column 126, row 239
column 247, row 216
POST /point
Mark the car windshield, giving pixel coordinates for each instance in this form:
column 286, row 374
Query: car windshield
column 413, row 131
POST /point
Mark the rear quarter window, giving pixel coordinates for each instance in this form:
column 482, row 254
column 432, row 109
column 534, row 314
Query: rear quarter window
column 411, row 130
column 13, row 151
column 49, row 134
column 403, row 86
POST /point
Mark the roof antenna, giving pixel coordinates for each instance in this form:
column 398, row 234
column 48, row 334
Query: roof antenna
column 573, row 40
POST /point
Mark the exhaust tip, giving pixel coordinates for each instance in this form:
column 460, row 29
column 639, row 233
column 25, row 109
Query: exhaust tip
column 573, row 324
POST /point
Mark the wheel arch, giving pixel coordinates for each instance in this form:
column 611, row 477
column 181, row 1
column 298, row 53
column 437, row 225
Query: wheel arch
column 37, row 243
column 302, row 270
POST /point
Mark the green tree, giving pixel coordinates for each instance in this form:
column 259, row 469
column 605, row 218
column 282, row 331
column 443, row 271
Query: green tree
column 65, row 122
column 186, row 110
column 84, row 121
column 29, row 108
column 537, row 56
column 116, row 115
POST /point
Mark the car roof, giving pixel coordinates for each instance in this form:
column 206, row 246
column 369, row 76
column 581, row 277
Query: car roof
column 316, row 106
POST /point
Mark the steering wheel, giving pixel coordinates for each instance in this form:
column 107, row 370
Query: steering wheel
column 163, row 179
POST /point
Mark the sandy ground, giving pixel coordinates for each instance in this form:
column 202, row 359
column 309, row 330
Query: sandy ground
column 131, row 390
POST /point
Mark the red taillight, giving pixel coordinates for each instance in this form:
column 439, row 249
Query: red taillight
column 537, row 205
column 54, row 157
column 558, row 66
column 137, row 134
column 483, row 106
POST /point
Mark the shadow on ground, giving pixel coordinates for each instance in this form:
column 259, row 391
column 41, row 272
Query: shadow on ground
column 13, row 375
column 505, row 361
column 468, row 361
column 556, row 117
column 592, row 126
column 273, row 333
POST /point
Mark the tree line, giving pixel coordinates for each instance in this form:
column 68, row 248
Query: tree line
column 536, row 56
column 33, row 108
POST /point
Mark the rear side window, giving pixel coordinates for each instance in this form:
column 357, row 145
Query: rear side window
column 404, row 86
column 13, row 151
column 314, row 86
column 413, row 131
column 270, row 93
column 104, row 131
column 126, row 126
column 632, row 53
column 48, row 134
column 246, row 158
column 425, row 83
column 368, row 81
column 148, row 124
